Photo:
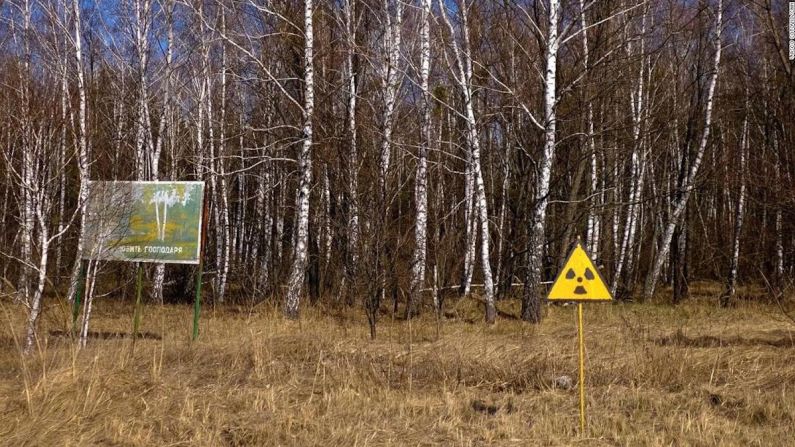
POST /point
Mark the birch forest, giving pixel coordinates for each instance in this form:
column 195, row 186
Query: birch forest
column 391, row 156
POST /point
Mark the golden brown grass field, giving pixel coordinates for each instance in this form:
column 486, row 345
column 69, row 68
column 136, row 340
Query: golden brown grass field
column 656, row 375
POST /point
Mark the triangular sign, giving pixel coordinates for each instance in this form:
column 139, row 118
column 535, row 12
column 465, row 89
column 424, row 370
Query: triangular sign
column 579, row 280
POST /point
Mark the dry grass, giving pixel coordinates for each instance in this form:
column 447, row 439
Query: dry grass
column 657, row 375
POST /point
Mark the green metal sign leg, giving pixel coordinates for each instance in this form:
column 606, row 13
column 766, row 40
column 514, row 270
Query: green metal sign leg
column 197, row 306
column 137, row 314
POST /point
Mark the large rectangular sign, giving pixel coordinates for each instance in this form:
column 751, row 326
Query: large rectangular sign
column 144, row 221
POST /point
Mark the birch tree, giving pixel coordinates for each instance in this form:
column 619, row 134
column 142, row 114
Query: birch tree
column 389, row 77
column 593, row 228
column 27, row 153
column 421, row 181
column 82, row 145
column 298, row 269
column 40, row 177
column 681, row 202
column 148, row 143
column 638, row 159
column 40, row 182
column 463, row 78
column 731, row 278
column 353, row 156
column 166, row 119
column 531, row 300
column 220, row 189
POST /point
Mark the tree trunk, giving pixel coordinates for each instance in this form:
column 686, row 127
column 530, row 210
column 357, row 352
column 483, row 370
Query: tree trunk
column 222, row 191
column 531, row 299
column 298, row 269
column 26, row 186
column 389, row 78
column 353, row 157
column 464, row 80
column 82, row 139
column 421, row 185
column 778, row 270
column 44, row 249
column 470, row 228
column 681, row 202
column 731, row 278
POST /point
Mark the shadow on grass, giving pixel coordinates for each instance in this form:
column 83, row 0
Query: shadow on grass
column 106, row 335
column 708, row 341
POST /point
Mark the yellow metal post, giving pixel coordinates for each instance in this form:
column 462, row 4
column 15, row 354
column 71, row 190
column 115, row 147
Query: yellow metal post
column 582, row 367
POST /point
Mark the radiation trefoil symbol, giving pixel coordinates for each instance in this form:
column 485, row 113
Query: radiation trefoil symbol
column 579, row 280
column 580, row 289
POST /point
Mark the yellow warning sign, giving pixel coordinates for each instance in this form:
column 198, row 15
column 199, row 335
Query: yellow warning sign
column 579, row 280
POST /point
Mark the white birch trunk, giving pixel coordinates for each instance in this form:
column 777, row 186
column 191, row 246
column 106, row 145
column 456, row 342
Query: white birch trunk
column 222, row 192
column 779, row 262
column 278, row 248
column 148, row 147
column 421, row 185
column 464, row 80
column 298, row 270
column 681, row 203
column 353, row 162
column 218, row 206
column 62, row 161
column 531, row 302
column 594, row 218
column 594, row 225
column 82, row 140
column 731, row 280
column 41, row 212
column 327, row 233
column 203, row 87
column 616, row 226
column 35, row 303
column 389, row 78
column 28, row 216
column 779, row 245
column 502, row 213
column 241, row 225
column 143, row 142
column 259, row 228
column 471, row 228
column 638, row 164
column 26, row 186
column 265, row 219
column 165, row 113
column 62, row 146
column 88, row 303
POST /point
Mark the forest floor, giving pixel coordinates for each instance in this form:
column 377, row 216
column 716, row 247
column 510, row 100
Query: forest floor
column 691, row 375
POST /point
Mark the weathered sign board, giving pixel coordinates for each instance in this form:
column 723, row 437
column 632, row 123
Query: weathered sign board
column 144, row 221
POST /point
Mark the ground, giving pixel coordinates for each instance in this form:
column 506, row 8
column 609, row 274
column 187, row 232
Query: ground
column 692, row 375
